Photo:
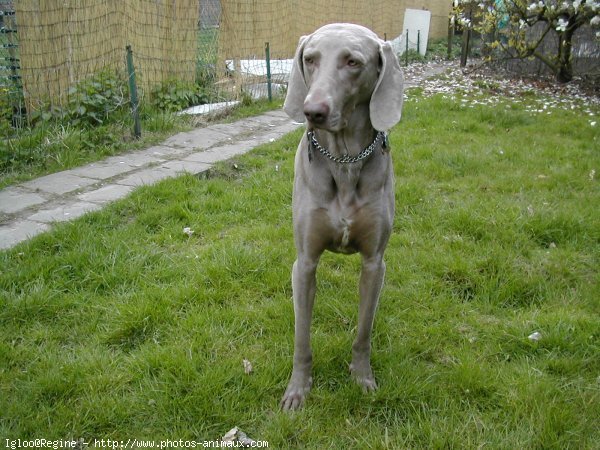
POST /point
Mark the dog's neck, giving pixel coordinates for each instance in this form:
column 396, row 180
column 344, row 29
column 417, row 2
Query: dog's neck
column 353, row 138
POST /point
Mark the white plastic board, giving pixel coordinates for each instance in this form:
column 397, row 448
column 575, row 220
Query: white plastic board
column 415, row 30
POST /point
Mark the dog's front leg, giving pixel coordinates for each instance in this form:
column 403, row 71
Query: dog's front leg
column 371, row 281
column 304, row 285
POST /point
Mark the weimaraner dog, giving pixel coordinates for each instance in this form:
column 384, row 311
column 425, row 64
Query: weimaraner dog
column 347, row 84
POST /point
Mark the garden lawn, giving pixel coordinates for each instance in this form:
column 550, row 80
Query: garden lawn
column 120, row 325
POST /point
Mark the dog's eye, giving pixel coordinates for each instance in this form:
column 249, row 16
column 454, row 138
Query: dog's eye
column 308, row 60
column 353, row 63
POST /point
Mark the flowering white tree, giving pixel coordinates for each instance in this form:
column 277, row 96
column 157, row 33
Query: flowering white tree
column 511, row 21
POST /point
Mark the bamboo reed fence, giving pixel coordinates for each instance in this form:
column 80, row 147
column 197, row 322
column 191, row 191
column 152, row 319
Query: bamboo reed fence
column 222, row 41
column 61, row 43
column 245, row 26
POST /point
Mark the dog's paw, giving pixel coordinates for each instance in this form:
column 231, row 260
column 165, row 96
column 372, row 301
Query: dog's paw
column 363, row 375
column 368, row 384
column 295, row 394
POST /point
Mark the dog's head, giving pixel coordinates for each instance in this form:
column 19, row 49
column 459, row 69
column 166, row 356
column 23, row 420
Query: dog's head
column 339, row 67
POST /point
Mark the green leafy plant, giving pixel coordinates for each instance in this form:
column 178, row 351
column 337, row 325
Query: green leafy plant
column 11, row 109
column 5, row 112
column 91, row 102
column 173, row 95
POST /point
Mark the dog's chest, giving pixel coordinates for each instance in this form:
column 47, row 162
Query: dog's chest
column 346, row 212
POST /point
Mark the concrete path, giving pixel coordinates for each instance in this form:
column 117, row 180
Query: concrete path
column 30, row 208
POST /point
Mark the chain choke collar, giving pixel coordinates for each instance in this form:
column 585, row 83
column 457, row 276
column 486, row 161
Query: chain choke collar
column 381, row 138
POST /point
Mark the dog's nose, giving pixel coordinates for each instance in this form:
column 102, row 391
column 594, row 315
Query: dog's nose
column 316, row 113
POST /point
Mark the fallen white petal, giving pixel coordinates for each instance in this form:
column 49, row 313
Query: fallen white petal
column 535, row 336
column 247, row 366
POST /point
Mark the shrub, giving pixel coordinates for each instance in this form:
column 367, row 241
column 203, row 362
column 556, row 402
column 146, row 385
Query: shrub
column 5, row 112
column 173, row 95
column 91, row 102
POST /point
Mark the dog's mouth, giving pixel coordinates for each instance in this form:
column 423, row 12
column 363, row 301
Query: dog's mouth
column 334, row 124
column 338, row 118
column 324, row 127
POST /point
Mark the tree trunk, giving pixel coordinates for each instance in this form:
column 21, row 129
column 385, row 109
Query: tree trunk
column 564, row 72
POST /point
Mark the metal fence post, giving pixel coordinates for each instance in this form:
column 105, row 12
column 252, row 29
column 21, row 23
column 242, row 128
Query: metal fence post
column 268, row 59
column 406, row 52
column 450, row 39
column 137, row 127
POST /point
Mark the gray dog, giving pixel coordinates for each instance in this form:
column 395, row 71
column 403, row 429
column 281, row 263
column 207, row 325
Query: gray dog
column 347, row 84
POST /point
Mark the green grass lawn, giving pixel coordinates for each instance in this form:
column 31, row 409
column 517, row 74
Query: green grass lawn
column 119, row 325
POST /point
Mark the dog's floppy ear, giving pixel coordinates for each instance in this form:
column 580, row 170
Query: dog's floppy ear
column 386, row 102
column 297, row 89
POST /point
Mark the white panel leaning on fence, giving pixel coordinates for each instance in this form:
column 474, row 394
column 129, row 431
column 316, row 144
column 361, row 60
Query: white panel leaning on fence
column 348, row 85
column 416, row 32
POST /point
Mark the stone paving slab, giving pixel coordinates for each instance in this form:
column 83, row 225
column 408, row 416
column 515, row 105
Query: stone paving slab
column 161, row 152
column 269, row 120
column 277, row 113
column 102, row 170
column 59, row 183
column 140, row 158
column 106, row 194
column 193, row 167
column 64, row 212
column 15, row 232
column 271, row 134
column 14, row 199
column 147, row 176
column 288, row 127
column 221, row 153
column 234, row 129
column 199, row 138
column 206, row 157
